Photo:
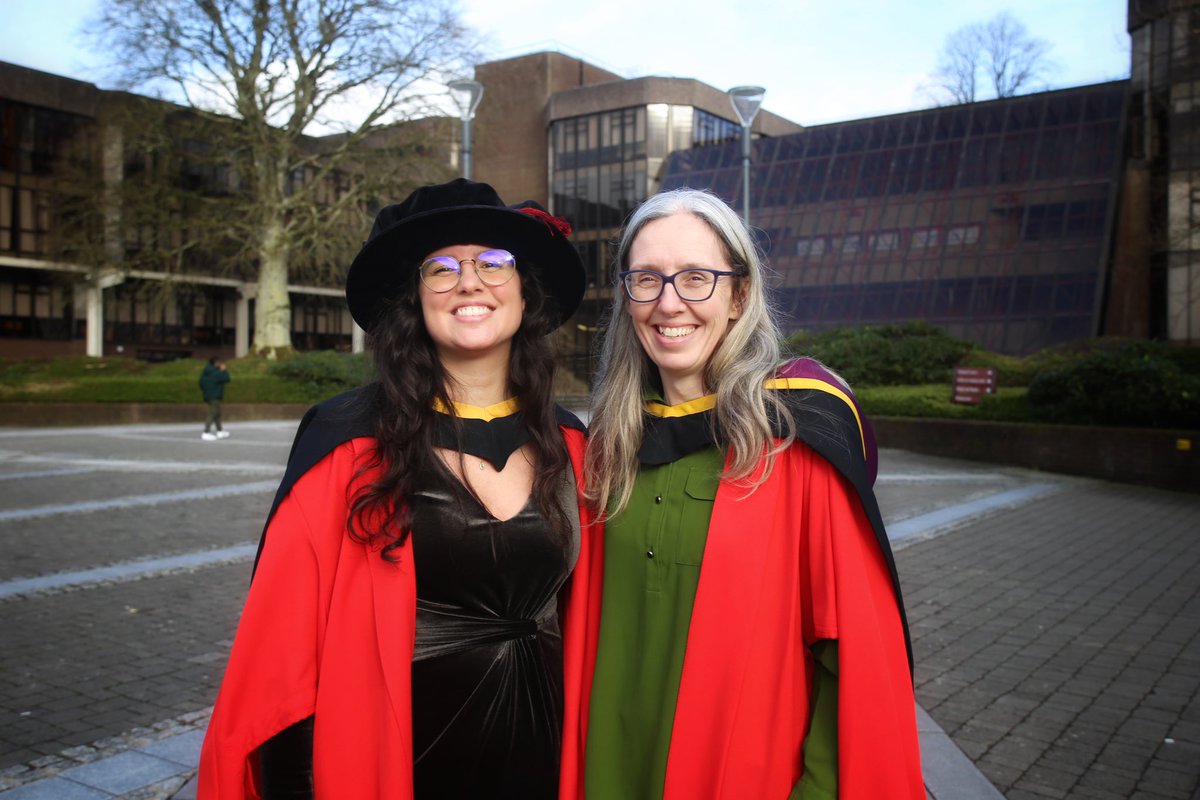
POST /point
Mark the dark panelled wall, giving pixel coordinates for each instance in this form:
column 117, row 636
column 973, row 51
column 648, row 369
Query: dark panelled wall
column 992, row 220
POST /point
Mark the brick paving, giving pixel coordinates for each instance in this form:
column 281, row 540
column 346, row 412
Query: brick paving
column 101, row 669
column 1057, row 641
column 1058, row 644
column 95, row 663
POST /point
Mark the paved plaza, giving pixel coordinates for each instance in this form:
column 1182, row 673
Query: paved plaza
column 1055, row 621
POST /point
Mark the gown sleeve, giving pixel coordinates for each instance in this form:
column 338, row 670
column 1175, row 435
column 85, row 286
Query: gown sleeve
column 285, row 763
column 270, row 682
column 855, row 602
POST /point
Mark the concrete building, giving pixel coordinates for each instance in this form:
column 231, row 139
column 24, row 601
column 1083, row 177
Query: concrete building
column 577, row 138
column 1018, row 223
column 81, row 252
column 590, row 146
column 1161, row 203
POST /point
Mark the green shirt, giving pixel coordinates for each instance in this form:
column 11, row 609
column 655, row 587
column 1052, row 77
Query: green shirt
column 652, row 556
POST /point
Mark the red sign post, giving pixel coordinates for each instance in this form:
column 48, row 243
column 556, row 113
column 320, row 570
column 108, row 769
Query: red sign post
column 972, row 383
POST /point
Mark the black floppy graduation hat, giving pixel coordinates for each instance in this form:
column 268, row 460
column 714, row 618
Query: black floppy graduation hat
column 461, row 212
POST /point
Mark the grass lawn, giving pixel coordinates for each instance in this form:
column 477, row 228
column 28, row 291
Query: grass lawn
column 933, row 400
column 1101, row 381
column 307, row 378
column 76, row 379
column 125, row 380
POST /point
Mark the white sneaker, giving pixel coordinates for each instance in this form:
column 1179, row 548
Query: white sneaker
column 208, row 437
column 222, row 434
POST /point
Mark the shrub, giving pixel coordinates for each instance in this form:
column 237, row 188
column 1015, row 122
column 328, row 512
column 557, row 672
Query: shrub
column 323, row 373
column 1134, row 384
column 885, row 355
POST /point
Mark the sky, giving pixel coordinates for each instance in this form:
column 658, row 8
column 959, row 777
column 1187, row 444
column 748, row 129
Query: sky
column 819, row 60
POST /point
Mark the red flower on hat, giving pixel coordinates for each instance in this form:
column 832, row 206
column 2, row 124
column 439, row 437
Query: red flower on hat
column 552, row 222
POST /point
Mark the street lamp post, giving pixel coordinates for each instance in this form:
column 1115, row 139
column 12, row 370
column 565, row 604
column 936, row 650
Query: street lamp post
column 467, row 94
column 746, row 100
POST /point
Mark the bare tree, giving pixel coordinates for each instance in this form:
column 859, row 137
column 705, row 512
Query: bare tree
column 267, row 73
column 984, row 60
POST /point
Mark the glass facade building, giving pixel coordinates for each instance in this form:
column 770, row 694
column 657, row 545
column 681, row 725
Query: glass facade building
column 1017, row 223
column 992, row 220
column 48, row 154
column 35, row 143
column 603, row 165
column 607, row 163
column 1164, row 118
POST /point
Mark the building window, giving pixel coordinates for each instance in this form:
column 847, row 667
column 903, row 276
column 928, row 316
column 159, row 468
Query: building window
column 924, row 237
column 35, row 143
column 962, row 234
column 885, row 240
column 711, row 129
column 810, row 246
column 6, row 217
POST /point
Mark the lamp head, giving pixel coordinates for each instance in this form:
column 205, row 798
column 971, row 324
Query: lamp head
column 466, row 94
column 746, row 100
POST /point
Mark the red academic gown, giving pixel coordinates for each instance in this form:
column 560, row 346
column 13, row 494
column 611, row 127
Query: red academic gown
column 795, row 561
column 327, row 631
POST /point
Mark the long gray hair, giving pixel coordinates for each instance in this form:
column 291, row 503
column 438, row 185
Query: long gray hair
column 748, row 355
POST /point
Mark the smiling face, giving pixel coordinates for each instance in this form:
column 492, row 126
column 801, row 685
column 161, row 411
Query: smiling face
column 678, row 336
column 472, row 320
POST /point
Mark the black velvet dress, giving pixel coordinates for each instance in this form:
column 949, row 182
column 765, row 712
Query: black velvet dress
column 487, row 668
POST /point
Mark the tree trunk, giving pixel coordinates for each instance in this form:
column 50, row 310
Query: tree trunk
column 272, row 309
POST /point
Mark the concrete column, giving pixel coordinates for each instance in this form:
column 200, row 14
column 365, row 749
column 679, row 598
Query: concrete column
column 94, row 304
column 1183, row 299
column 1183, row 258
column 93, row 292
column 241, row 332
column 358, row 338
column 113, row 170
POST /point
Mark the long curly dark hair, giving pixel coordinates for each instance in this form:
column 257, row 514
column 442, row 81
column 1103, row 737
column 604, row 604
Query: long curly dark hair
column 412, row 379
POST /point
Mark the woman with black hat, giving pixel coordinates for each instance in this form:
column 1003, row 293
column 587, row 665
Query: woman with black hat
column 401, row 635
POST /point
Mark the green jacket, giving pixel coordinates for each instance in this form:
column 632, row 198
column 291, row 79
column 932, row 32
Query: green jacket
column 212, row 382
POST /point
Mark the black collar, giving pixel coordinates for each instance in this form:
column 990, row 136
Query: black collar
column 672, row 432
column 493, row 433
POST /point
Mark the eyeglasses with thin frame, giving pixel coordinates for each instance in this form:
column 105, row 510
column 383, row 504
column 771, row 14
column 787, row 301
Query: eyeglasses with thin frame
column 693, row 285
column 492, row 267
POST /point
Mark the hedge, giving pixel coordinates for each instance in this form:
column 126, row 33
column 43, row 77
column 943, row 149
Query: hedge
column 908, row 354
column 1133, row 385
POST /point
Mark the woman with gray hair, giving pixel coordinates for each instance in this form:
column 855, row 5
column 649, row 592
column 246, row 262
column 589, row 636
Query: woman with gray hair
column 750, row 639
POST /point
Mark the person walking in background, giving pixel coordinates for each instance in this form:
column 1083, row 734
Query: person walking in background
column 750, row 639
column 212, row 386
column 401, row 637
